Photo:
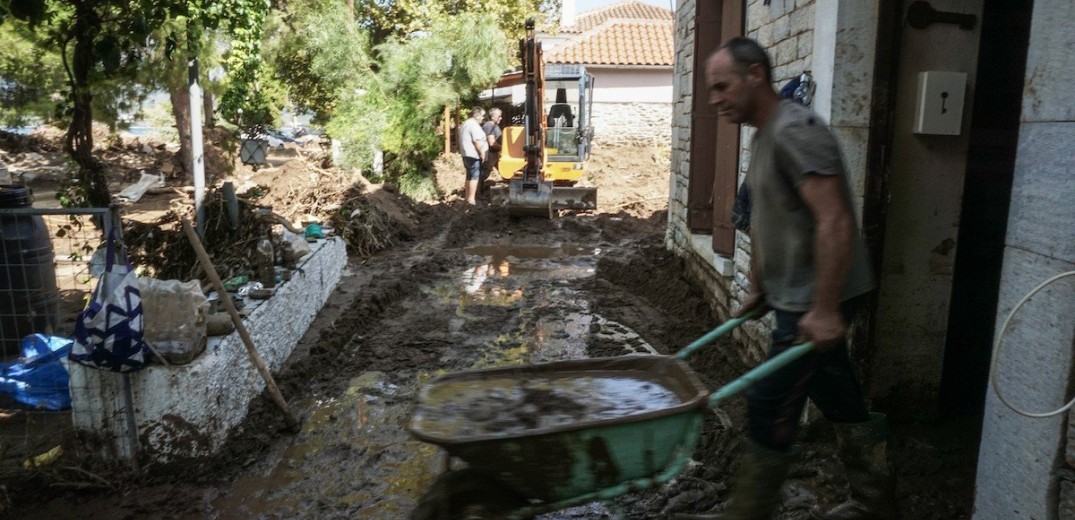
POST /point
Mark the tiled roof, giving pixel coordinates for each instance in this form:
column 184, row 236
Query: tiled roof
column 621, row 42
column 627, row 10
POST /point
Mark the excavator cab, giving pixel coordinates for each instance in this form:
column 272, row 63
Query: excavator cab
column 545, row 156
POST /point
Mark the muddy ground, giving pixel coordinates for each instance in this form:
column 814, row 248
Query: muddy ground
column 473, row 288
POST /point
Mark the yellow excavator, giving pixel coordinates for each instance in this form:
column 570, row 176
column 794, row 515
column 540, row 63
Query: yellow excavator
column 545, row 156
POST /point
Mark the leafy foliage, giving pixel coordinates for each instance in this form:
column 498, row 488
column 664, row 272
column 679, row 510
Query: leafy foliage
column 400, row 113
column 247, row 101
column 319, row 53
column 31, row 78
column 398, row 19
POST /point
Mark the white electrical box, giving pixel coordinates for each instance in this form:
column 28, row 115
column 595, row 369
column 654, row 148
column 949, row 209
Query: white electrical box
column 939, row 109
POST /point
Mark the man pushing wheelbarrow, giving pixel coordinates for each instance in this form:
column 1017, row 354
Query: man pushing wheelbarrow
column 544, row 437
column 810, row 267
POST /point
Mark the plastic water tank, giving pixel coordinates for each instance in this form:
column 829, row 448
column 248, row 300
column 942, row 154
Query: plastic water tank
column 28, row 292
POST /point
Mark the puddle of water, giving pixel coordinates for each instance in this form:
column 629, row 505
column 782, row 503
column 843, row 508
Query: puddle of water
column 517, row 251
column 353, row 458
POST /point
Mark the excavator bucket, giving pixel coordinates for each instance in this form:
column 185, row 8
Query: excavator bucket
column 542, row 198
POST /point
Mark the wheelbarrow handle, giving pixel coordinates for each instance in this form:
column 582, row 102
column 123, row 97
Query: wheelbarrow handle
column 759, row 372
column 723, row 329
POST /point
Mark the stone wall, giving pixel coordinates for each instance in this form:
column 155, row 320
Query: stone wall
column 785, row 28
column 188, row 410
column 1025, row 466
column 623, row 123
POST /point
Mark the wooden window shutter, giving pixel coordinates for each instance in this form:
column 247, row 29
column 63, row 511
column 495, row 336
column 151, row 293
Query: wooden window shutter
column 707, row 24
column 714, row 155
column 726, row 174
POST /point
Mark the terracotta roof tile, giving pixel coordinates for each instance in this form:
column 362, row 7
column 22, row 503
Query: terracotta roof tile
column 621, row 42
column 627, row 10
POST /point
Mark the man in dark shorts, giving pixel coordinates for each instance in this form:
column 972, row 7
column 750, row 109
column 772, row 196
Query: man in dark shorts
column 472, row 146
column 808, row 265
column 494, row 134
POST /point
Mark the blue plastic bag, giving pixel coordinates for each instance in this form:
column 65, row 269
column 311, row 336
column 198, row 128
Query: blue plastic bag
column 39, row 379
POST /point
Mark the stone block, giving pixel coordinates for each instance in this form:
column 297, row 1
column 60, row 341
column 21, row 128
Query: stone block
column 1049, row 62
column 853, row 141
column 757, row 15
column 806, row 45
column 802, row 19
column 853, row 63
column 781, row 28
column 1042, row 215
column 765, row 37
column 1066, row 508
column 1017, row 454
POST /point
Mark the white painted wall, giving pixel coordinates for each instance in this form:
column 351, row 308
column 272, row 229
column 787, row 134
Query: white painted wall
column 629, row 105
column 188, row 410
column 632, row 85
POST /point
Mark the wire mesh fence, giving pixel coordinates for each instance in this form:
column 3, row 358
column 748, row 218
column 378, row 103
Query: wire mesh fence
column 48, row 262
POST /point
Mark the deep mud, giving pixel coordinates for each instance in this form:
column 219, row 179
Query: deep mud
column 474, row 289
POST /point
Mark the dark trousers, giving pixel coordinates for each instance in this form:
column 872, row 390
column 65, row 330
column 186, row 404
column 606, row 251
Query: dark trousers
column 775, row 404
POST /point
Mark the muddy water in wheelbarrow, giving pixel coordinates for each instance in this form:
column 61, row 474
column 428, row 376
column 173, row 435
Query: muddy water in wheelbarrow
column 608, row 421
column 584, row 448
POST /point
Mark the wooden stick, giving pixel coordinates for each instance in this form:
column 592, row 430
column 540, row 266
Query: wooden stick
column 229, row 305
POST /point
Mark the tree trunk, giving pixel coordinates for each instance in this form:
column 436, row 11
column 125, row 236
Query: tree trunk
column 207, row 108
column 181, row 111
column 92, row 181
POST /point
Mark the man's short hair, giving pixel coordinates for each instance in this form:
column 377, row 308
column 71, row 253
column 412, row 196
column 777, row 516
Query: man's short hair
column 746, row 52
column 477, row 112
column 493, row 112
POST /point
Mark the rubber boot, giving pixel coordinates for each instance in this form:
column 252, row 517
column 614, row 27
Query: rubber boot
column 863, row 451
column 755, row 487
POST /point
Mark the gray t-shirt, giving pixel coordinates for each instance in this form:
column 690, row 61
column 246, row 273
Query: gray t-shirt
column 469, row 132
column 793, row 144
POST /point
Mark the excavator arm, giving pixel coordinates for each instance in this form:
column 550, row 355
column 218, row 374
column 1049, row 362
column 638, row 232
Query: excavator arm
column 529, row 191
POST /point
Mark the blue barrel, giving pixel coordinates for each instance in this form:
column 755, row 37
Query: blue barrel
column 28, row 292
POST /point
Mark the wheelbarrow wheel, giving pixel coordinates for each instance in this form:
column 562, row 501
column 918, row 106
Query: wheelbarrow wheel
column 467, row 494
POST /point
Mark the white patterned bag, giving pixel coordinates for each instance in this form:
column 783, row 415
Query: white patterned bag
column 108, row 333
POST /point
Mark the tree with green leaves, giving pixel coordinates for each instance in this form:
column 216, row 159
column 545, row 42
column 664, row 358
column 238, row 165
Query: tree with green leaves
column 387, row 98
column 398, row 19
column 100, row 41
column 416, row 79
column 31, row 81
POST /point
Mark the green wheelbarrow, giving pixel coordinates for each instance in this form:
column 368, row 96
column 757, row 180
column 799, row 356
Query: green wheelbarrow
column 545, row 437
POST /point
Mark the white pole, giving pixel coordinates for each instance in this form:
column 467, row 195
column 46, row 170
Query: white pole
column 196, row 153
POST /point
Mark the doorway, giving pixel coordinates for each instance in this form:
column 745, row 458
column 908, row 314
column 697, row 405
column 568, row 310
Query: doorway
column 987, row 190
column 943, row 207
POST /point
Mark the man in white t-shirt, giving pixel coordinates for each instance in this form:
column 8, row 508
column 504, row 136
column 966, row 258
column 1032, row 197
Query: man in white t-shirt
column 472, row 146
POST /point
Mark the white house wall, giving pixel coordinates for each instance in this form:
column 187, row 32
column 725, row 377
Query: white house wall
column 632, row 105
column 1025, row 467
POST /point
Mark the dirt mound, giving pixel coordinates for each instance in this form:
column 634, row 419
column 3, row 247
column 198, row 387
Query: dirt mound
column 631, row 179
column 657, row 276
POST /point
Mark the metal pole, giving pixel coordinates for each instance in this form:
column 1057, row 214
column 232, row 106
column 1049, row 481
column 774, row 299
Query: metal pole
column 197, row 169
column 128, row 415
column 112, row 220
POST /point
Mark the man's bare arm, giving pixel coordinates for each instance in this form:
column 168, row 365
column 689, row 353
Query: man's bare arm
column 833, row 234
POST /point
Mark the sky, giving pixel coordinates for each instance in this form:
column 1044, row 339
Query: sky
column 588, row 5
